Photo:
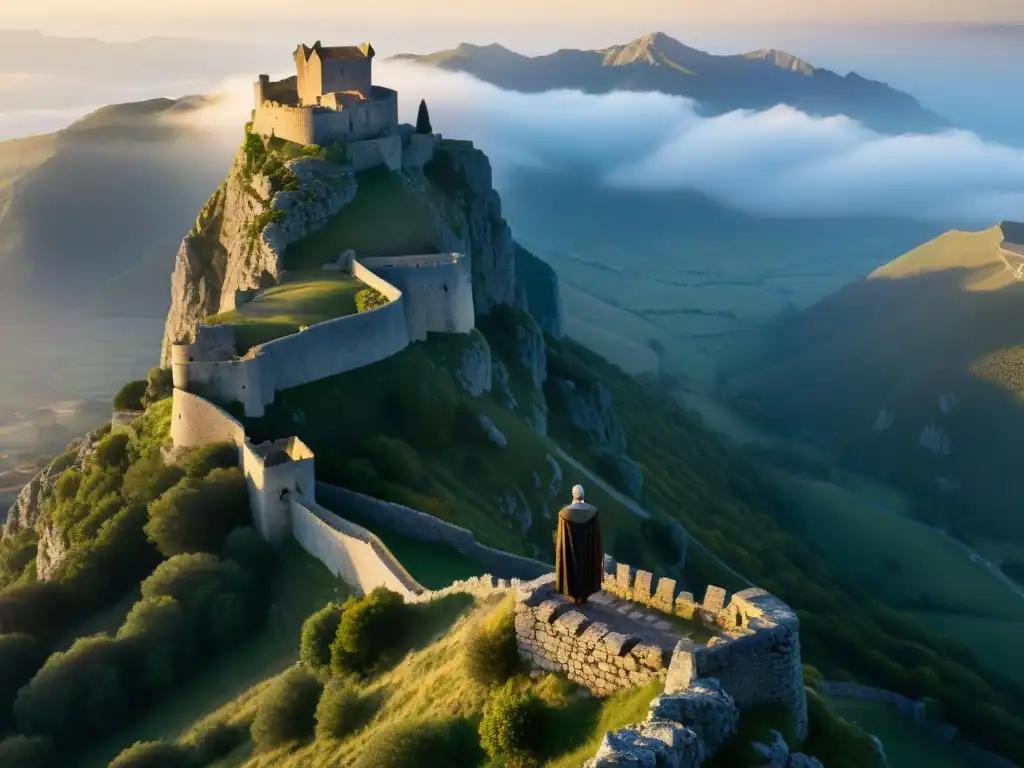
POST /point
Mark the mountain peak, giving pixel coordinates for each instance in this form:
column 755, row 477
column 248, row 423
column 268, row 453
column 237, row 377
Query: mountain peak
column 782, row 60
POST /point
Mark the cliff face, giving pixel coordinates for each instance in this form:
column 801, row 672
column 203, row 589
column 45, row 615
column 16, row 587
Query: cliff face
column 239, row 239
column 238, row 244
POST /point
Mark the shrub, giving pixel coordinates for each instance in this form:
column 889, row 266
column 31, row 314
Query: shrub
column 129, row 397
column 396, row 461
column 216, row 740
column 516, row 760
column 286, row 709
column 159, row 385
column 20, row 657
column 318, row 633
column 112, row 451
column 28, row 752
column 492, row 656
column 147, row 479
column 341, row 711
column 245, row 546
column 39, row 609
column 197, row 515
column 449, row 743
column 203, row 460
column 370, row 627
column 85, row 690
column 164, row 636
column 369, row 298
column 510, row 723
column 154, row 754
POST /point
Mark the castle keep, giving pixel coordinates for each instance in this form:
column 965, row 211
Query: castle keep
column 331, row 99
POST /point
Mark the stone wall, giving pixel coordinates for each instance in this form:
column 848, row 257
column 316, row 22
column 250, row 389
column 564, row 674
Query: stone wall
column 373, row 118
column 323, row 350
column 418, row 149
column 438, row 290
column 276, row 472
column 756, row 655
column 423, row 527
column 196, row 421
column 349, row 551
column 376, row 152
column 290, row 123
column 554, row 637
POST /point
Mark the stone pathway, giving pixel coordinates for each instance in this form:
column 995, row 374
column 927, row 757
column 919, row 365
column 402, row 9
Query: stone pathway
column 629, row 618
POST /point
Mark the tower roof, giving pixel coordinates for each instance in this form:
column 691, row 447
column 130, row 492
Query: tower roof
column 351, row 52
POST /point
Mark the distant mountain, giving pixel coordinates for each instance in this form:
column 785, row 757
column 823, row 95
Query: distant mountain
column 657, row 62
column 80, row 206
column 916, row 374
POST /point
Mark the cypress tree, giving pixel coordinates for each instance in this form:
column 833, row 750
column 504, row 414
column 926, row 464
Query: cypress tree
column 423, row 119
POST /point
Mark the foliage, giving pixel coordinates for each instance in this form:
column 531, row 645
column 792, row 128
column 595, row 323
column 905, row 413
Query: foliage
column 130, row 396
column 318, row 633
column 245, row 546
column 341, row 711
column 196, row 515
column 492, row 656
column 286, row 709
column 370, row 298
column 17, row 551
column 154, row 754
column 167, row 642
column 38, row 609
column 396, row 460
column 159, row 386
column 20, row 657
column 450, row 744
column 147, row 479
column 423, row 118
column 215, row 740
column 203, row 460
column 370, row 628
column 28, row 752
column 112, row 451
column 511, row 722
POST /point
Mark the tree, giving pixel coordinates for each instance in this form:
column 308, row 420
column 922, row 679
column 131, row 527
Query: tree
column 341, row 710
column 197, row 515
column 423, row 119
column 318, row 632
column 20, row 657
column 129, row 397
column 370, row 628
column 287, row 709
column 159, row 385
column 28, row 752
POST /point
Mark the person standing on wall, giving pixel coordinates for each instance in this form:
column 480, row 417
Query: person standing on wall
column 579, row 553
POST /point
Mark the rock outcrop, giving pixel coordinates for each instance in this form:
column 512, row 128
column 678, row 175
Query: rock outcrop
column 236, row 246
column 28, row 507
column 538, row 285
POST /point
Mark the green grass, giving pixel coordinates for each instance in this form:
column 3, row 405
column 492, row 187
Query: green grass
column 906, row 745
column 432, row 565
column 300, row 586
column 996, row 642
column 388, row 217
column 303, row 299
column 896, row 557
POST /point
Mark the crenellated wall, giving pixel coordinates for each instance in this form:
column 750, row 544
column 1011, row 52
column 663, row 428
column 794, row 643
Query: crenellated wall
column 350, row 120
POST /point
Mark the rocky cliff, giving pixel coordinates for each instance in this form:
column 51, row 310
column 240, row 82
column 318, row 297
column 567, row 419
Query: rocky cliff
column 270, row 201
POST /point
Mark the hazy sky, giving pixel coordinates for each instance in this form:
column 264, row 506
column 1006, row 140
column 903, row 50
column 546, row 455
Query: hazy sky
column 124, row 13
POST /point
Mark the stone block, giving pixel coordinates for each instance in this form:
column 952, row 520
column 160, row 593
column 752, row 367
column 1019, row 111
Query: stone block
column 685, row 606
column 649, row 655
column 619, row 644
column 551, row 609
column 705, row 707
column 571, row 623
column 714, row 599
column 642, row 587
column 681, row 669
column 665, row 595
column 624, row 578
column 593, row 634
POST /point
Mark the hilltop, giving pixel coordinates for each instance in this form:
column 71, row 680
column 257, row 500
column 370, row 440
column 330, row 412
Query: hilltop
column 656, row 62
column 914, row 374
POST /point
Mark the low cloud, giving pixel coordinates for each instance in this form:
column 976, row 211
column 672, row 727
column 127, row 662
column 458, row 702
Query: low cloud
column 780, row 162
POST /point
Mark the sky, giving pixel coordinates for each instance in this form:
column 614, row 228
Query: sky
column 67, row 15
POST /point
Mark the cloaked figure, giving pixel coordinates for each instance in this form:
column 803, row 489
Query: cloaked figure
column 579, row 555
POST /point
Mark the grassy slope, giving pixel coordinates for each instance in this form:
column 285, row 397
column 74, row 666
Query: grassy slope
column 301, row 586
column 304, row 298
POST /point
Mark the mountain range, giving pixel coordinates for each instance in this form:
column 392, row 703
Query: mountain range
column 656, row 62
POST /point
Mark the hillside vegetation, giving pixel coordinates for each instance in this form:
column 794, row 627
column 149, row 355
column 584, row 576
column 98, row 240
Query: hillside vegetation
column 943, row 321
